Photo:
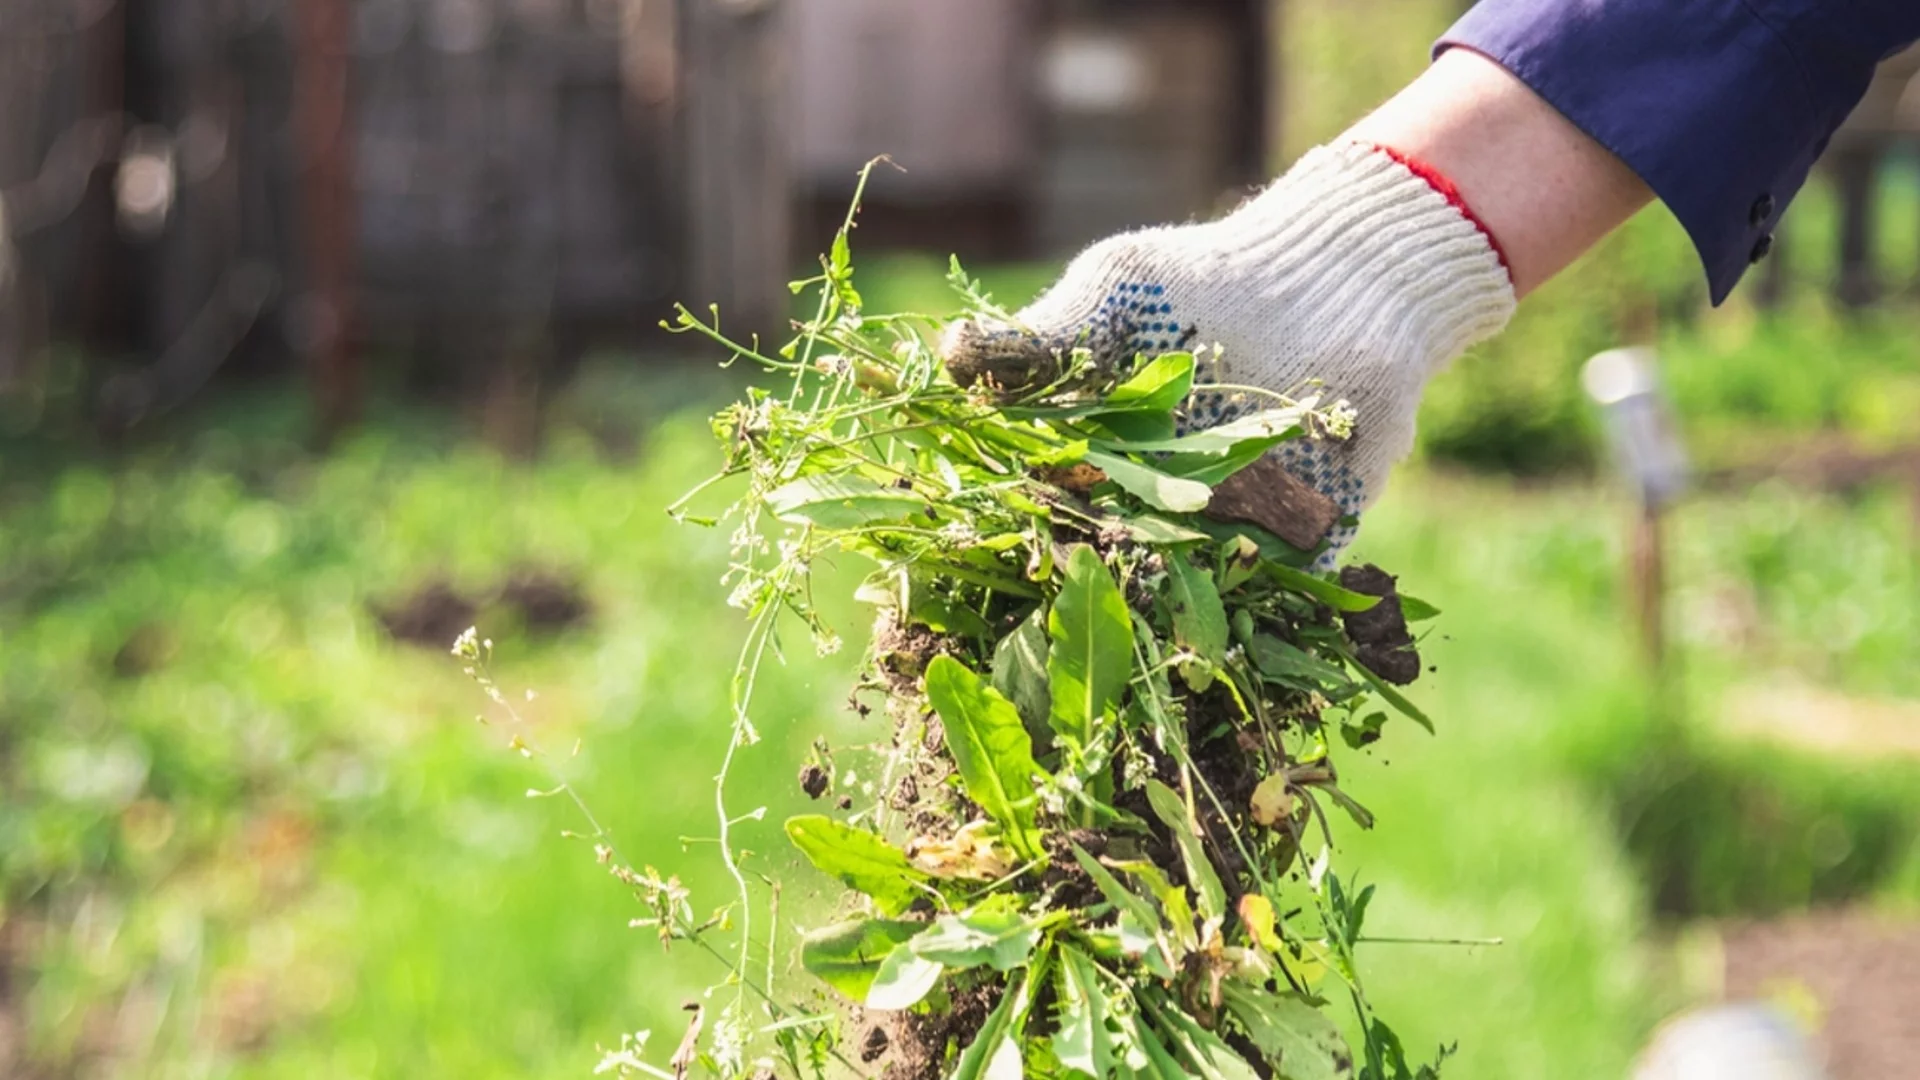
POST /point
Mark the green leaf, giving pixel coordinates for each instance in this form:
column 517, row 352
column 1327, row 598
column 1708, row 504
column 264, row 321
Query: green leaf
column 1395, row 698
column 840, row 260
column 903, row 979
column 1082, row 1042
column 1134, row 426
column 1361, row 816
column 1020, row 670
column 1160, row 386
column 1145, row 943
column 926, row 605
column 847, row 956
column 1267, row 428
column 1117, row 894
column 1064, row 454
column 1213, row 469
column 861, row 860
column 1239, row 557
column 1161, row 1065
column 1179, row 912
column 1149, row 529
column 1172, row 812
column 1321, row 589
column 1415, row 609
column 1199, row 618
column 1357, row 914
column 1257, row 915
column 843, row 502
column 1206, row 1056
column 1092, row 655
column 1364, row 731
column 993, row 933
column 1270, row 547
column 994, row 1053
column 990, row 746
column 1151, row 486
column 1299, row 1037
column 1277, row 659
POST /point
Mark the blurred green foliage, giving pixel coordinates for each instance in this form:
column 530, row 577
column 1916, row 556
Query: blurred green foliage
column 243, row 828
column 246, row 833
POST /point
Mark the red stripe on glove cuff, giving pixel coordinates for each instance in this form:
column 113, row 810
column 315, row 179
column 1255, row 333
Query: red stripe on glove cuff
column 1439, row 182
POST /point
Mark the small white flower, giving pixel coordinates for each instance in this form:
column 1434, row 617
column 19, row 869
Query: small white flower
column 826, row 642
column 1340, row 417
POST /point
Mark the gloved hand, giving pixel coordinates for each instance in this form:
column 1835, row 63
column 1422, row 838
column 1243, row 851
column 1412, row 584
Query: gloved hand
column 1353, row 269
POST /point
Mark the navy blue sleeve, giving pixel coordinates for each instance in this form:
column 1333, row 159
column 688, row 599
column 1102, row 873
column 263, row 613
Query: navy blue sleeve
column 1721, row 106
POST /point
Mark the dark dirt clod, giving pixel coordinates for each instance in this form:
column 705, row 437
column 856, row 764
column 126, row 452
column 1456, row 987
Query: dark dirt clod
column 1379, row 634
column 1231, row 771
column 1078, row 478
column 905, row 793
column 147, row 649
column 1266, row 494
column 432, row 615
column 902, row 652
column 1072, row 886
column 546, row 601
column 920, row 1042
column 813, row 781
column 874, row 1044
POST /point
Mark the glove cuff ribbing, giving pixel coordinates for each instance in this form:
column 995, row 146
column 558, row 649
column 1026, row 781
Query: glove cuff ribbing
column 1375, row 246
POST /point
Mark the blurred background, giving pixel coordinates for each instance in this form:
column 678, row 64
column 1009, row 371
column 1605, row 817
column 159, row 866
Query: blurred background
column 328, row 328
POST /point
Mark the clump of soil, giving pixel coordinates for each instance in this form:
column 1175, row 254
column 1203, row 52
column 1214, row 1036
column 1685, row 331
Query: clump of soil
column 1381, row 641
column 547, row 602
column 916, row 1046
column 814, row 781
column 874, row 1044
column 433, row 615
column 902, row 652
column 148, row 648
column 1071, row 885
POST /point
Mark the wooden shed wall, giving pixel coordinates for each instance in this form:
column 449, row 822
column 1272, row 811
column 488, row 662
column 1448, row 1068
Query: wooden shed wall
column 509, row 158
column 500, row 169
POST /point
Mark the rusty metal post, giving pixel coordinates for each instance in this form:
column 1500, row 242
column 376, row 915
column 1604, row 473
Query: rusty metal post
column 1647, row 449
column 325, row 329
column 1649, row 582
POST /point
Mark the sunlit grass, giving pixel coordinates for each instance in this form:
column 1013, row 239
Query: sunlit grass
column 247, row 834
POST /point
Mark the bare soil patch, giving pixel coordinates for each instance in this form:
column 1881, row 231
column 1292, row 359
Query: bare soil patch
column 1862, row 969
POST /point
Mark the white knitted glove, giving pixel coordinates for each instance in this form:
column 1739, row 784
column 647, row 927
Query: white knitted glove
column 1742, row 1041
column 1351, row 269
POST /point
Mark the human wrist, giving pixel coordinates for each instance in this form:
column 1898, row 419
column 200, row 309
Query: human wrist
column 1544, row 188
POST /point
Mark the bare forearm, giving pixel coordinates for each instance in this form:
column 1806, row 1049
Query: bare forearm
column 1544, row 189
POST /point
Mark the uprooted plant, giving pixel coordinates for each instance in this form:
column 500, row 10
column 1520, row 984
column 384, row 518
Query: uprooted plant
column 1096, row 839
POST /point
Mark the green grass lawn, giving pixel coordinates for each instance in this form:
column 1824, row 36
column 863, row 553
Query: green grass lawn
column 244, row 833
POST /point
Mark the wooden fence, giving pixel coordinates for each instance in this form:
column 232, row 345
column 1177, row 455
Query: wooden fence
column 483, row 187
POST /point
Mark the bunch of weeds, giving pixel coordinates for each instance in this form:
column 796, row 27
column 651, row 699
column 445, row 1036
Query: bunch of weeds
column 1096, row 841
